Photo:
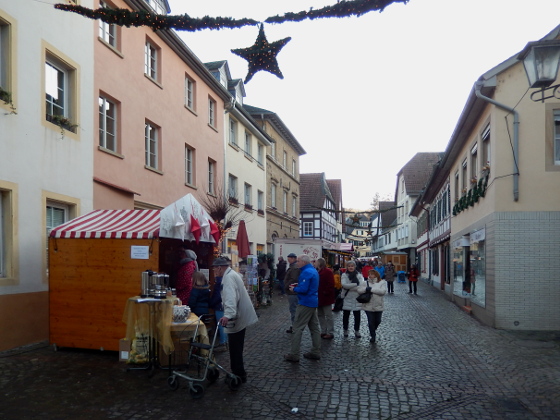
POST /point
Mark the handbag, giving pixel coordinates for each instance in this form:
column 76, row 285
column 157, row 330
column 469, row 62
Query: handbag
column 339, row 302
column 365, row 297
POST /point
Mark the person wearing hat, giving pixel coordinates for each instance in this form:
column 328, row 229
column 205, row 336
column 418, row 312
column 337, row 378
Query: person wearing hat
column 238, row 314
column 291, row 277
column 373, row 308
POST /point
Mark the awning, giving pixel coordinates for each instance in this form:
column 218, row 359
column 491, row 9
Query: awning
column 111, row 224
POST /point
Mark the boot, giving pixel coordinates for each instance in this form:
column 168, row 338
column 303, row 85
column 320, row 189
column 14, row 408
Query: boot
column 357, row 334
column 345, row 333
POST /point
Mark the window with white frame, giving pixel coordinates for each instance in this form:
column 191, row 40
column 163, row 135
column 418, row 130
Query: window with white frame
column 294, row 206
column 211, row 177
column 158, row 6
column 248, row 144
column 107, row 31
column 232, row 187
column 189, row 165
column 294, row 168
column 232, row 132
column 307, row 229
column 273, row 150
column 284, row 201
column 260, row 200
column 107, row 124
column 260, row 153
column 464, row 176
column 557, row 136
column 486, row 147
column 151, row 61
column 456, row 185
column 248, row 194
column 151, row 137
column 474, row 162
column 273, row 195
column 60, row 87
column 189, row 93
column 285, row 160
column 211, row 112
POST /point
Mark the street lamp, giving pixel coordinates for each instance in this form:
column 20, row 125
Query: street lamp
column 541, row 59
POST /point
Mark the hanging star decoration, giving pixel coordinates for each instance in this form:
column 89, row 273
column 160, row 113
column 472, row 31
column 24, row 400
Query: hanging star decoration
column 262, row 55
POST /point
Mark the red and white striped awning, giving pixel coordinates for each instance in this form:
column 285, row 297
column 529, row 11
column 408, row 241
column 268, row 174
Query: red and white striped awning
column 111, row 224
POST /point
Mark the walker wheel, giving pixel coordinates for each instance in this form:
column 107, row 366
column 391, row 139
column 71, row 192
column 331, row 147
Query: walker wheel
column 233, row 382
column 196, row 390
column 173, row 382
column 213, row 375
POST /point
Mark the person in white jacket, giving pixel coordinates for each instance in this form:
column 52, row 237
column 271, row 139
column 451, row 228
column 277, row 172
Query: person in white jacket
column 239, row 313
column 373, row 308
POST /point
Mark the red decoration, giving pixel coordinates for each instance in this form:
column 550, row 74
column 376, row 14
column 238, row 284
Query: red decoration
column 215, row 232
column 195, row 229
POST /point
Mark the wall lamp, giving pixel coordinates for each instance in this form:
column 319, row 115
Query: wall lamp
column 541, row 59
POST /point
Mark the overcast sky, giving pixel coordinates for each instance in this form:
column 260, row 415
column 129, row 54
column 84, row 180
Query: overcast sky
column 363, row 95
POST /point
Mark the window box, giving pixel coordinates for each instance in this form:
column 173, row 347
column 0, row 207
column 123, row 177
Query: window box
column 233, row 200
column 261, row 212
column 63, row 122
column 248, row 207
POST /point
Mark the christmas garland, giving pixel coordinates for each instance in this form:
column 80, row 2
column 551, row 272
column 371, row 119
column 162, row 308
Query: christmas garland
column 125, row 17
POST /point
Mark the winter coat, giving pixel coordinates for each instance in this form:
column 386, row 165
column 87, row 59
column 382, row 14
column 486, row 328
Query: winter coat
column 281, row 270
column 413, row 274
column 350, row 302
column 184, row 279
column 216, row 298
column 308, row 286
column 390, row 273
column 378, row 290
column 365, row 270
column 199, row 299
column 326, row 287
column 381, row 270
column 291, row 277
column 237, row 303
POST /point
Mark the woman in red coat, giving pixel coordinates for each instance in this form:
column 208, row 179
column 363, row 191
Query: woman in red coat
column 413, row 275
column 326, row 299
column 188, row 266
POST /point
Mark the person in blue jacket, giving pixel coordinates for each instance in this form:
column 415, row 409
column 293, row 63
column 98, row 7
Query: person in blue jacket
column 200, row 294
column 307, row 291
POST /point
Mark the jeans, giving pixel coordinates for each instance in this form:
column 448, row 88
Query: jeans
column 390, row 287
column 326, row 320
column 412, row 284
column 373, row 319
column 223, row 337
column 306, row 316
column 293, row 301
column 236, row 344
column 346, row 319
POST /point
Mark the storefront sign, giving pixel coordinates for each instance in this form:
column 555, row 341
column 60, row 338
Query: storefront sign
column 140, row 252
column 479, row 235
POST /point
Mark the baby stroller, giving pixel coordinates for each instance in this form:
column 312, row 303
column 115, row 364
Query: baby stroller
column 201, row 365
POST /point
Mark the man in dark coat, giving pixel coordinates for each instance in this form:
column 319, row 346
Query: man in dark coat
column 291, row 277
column 281, row 273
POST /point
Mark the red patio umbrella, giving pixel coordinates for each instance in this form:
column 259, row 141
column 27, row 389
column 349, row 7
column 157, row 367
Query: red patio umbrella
column 242, row 240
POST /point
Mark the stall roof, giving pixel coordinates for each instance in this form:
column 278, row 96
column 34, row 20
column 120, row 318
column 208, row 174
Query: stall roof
column 111, row 224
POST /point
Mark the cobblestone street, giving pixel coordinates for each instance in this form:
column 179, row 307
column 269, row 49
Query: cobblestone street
column 431, row 361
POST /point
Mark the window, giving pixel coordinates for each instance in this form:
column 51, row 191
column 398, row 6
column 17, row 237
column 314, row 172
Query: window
column 212, row 112
column 211, row 177
column 6, row 233
column 273, row 195
column 285, row 202
column 464, row 176
column 60, row 88
column 151, row 61
column 260, row 154
column 294, row 168
column 273, row 149
column 151, row 134
column 233, row 132
column 158, row 6
column 57, row 214
column 107, row 32
column 5, row 59
column 248, row 143
column 294, row 205
column 285, row 160
column 557, row 137
column 474, row 162
column 486, row 146
column 189, row 165
column 232, row 187
column 457, row 185
column 189, row 93
column 248, row 193
column 307, row 228
column 107, row 124
column 260, row 204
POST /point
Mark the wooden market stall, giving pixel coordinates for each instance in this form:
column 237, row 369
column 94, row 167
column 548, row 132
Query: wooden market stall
column 96, row 263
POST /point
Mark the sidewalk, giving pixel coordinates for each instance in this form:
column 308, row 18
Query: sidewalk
column 431, row 361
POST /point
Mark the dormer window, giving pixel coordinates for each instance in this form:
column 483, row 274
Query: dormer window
column 158, row 6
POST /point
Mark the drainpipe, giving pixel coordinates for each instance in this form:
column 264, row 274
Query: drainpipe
column 478, row 86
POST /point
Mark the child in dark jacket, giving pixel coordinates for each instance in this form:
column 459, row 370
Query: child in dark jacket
column 200, row 294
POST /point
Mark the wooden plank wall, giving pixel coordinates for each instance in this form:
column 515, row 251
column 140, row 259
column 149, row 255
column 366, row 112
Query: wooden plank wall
column 90, row 281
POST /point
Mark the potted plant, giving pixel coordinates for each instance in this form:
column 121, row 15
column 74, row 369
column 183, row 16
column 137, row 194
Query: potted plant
column 63, row 122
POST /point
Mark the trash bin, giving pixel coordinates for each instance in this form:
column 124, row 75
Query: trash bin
column 401, row 276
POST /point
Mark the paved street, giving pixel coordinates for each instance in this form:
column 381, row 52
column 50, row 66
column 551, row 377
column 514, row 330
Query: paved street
column 432, row 361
